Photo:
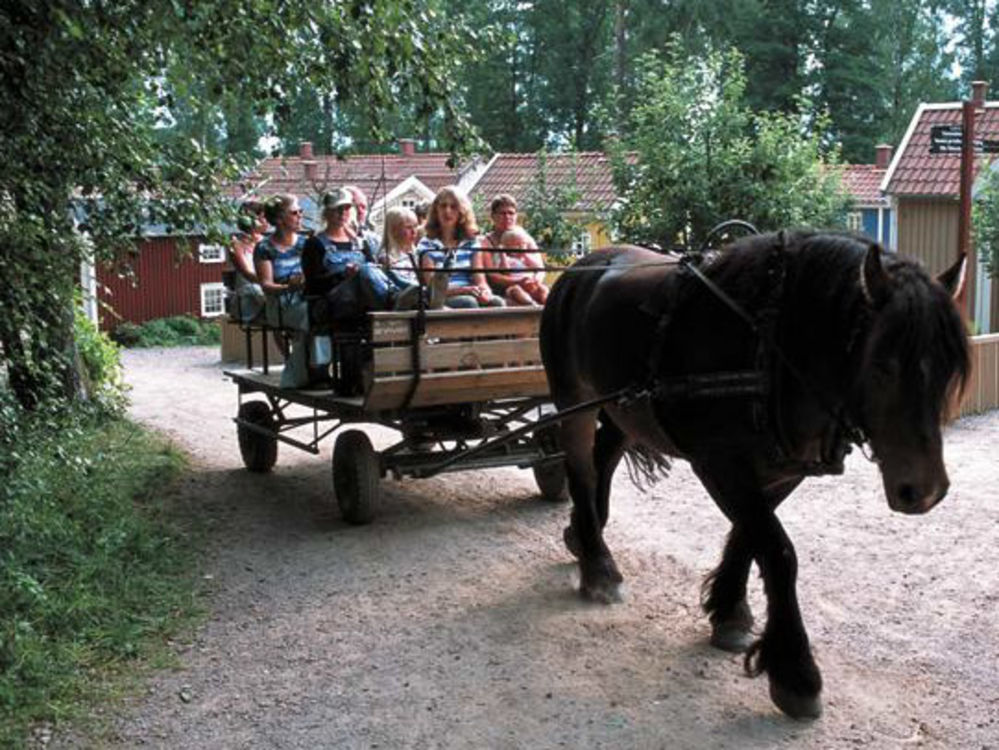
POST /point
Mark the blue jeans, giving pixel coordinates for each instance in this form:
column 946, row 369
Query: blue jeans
column 378, row 287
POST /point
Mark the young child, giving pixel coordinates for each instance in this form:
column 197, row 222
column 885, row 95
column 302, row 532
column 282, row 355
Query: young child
column 521, row 273
column 398, row 255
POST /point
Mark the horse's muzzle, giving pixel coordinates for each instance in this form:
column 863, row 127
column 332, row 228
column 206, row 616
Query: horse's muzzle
column 913, row 499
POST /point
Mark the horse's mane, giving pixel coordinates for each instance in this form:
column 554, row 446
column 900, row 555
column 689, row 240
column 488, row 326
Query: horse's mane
column 823, row 270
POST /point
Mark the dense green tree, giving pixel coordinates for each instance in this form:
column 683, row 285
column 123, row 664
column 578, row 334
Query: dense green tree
column 693, row 154
column 84, row 98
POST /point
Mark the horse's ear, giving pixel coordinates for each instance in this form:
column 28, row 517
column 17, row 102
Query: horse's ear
column 954, row 278
column 874, row 278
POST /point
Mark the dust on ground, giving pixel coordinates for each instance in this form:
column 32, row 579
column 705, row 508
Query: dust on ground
column 453, row 620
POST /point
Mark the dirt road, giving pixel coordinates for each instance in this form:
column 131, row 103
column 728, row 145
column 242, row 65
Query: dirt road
column 453, row 621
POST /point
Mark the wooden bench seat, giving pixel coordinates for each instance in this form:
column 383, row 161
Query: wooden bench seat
column 461, row 356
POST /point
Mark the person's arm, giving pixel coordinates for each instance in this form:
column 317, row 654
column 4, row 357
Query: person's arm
column 241, row 263
column 480, row 286
column 265, row 273
column 537, row 262
column 427, row 267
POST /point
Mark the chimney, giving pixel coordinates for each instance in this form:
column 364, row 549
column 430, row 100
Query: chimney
column 310, row 169
column 407, row 146
column 882, row 155
column 978, row 91
column 305, row 149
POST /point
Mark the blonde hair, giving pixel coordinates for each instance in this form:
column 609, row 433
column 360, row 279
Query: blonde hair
column 393, row 218
column 467, row 226
column 518, row 234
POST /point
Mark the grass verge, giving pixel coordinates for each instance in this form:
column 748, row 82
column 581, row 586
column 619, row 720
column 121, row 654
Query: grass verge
column 96, row 571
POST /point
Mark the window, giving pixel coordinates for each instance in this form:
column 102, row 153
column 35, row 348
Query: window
column 855, row 221
column 212, row 299
column 581, row 244
column 211, row 253
column 409, row 202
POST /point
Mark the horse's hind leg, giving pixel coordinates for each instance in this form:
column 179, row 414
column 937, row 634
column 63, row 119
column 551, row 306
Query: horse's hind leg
column 599, row 576
column 723, row 596
column 608, row 449
column 724, row 591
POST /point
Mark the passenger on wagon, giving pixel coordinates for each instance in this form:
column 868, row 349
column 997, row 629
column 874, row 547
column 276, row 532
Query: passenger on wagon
column 278, row 262
column 247, row 300
column 398, row 255
column 521, row 273
column 341, row 270
column 360, row 225
column 503, row 213
column 451, row 243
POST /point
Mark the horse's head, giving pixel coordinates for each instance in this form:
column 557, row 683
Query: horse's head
column 914, row 362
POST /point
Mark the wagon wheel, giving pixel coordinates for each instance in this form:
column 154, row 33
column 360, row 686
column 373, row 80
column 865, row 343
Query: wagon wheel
column 356, row 474
column 259, row 451
column 550, row 474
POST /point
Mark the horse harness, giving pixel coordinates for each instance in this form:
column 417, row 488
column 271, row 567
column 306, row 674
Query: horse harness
column 762, row 383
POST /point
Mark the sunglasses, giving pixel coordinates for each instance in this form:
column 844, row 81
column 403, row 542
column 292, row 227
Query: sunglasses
column 296, row 212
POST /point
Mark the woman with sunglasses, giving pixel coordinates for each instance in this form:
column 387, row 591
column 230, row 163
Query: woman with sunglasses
column 278, row 261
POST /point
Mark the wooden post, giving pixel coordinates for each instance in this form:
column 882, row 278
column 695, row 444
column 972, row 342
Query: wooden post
column 964, row 220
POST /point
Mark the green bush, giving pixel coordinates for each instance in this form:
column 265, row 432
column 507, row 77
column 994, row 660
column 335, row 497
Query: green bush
column 101, row 360
column 93, row 569
column 126, row 334
column 179, row 330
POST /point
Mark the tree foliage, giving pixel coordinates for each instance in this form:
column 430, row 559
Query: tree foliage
column 693, row 154
column 116, row 115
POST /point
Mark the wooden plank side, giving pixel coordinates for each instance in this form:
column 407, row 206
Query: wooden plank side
column 452, row 324
column 982, row 393
column 464, row 354
column 458, row 387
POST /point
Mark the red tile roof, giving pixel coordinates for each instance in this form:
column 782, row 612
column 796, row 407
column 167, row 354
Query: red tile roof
column 287, row 174
column 516, row 173
column 863, row 182
column 917, row 172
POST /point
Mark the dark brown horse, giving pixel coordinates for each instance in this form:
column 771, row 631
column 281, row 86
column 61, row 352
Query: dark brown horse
column 759, row 366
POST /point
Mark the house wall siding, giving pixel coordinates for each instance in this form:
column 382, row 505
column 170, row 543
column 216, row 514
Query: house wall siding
column 927, row 231
column 166, row 282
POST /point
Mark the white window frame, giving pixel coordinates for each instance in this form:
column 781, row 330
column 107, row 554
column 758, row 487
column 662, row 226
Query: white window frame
column 211, row 253
column 207, row 290
column 582, row 243
column 855, row 221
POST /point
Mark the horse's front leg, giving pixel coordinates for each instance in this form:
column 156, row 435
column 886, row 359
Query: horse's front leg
column 783, row 652
column 599, row 576
column 724, row 592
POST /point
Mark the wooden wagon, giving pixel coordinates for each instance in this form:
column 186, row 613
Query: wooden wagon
column 464, row 389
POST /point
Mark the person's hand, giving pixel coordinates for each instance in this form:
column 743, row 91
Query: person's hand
column 482, row 294
column 295, row 281
column 351, row 269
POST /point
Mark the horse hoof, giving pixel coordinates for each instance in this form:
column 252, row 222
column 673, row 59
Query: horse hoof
column 796, row 705
column 571, row 540
column 605, row 593
column 732, row 638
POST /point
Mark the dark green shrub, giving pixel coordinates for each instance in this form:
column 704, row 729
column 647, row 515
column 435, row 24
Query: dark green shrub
column 179, row 330
column 126, row 334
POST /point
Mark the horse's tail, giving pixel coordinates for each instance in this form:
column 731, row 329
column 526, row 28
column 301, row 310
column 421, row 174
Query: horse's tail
column 645, row 466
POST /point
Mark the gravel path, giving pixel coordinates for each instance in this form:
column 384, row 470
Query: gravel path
column 453, row 622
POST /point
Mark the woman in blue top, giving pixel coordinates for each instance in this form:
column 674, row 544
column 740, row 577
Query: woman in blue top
column 340, row 268
column 278, row 261
column 451, row 242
